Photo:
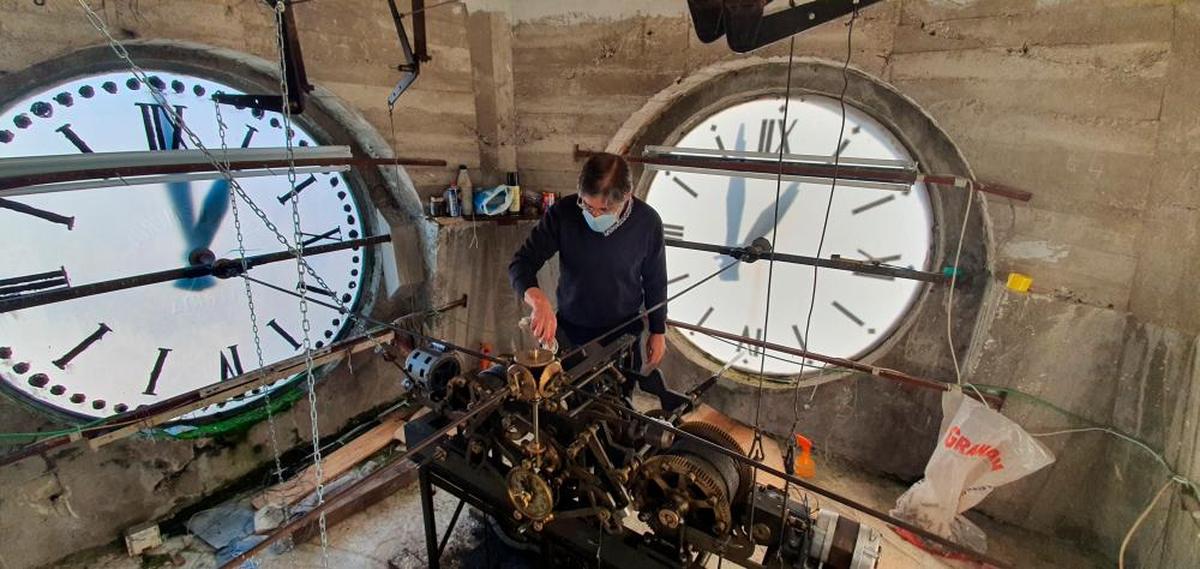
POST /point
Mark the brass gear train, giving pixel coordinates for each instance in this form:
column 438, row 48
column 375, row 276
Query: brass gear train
column 692, row 485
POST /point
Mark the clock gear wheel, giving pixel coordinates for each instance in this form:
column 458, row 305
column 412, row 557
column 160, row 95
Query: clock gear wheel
column 690, row 484
column 530, row 494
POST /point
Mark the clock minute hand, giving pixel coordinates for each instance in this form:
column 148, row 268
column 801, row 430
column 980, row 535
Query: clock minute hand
column 181, row 200
column 735, row 204
column 224, row 268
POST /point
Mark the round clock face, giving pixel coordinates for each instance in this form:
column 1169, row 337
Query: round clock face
column 96, row 356
column 853, row 312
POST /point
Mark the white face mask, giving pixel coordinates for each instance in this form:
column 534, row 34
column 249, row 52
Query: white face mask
column 599, row 223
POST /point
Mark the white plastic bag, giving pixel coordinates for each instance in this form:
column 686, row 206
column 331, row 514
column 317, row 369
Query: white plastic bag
column 978, row 449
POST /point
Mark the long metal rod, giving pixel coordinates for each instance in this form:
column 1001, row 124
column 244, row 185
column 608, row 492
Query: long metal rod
column 881, row 516
column 486, row 405
column 374, row 322
column 125, row 424
column 70, row 293
column 10, row 182
column 838, row 263
column 859, row 173
column 884, row 373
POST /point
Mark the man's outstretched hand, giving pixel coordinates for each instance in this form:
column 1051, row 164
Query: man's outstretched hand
column 543, row 322
column 656, row 348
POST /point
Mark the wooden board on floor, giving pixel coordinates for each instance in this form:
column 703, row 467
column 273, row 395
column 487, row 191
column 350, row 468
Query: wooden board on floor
column 335, row 464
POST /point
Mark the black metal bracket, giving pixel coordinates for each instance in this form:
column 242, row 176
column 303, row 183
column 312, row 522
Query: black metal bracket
column 747, row 28
column 415, row 53
column 752, row 252
column 295, row 76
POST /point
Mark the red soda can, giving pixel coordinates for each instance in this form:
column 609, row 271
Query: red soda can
column 548, row 199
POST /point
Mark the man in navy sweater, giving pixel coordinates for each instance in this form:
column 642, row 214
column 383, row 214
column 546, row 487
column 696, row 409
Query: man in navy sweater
column 612, row 260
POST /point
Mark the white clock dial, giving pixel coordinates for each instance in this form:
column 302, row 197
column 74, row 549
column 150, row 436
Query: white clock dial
column 96, row 356
column 853, row 312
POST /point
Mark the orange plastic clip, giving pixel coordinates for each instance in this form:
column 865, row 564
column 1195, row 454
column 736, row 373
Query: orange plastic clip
column 805, row 466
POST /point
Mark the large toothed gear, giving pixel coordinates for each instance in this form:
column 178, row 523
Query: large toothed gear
column 715, row 435
column 691, row 483
column 674, row 490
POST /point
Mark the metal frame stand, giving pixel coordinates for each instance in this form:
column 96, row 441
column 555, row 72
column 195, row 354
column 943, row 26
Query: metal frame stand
column 432, row 553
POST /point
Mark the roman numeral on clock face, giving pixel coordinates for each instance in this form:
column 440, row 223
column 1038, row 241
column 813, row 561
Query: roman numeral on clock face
column 672, row 231
column 283, row 334
column 66, row 131
column 249, row 135
column 299, row 188
column 161, row 133
column 231, row 367
column 61, row 363
column 37, row 281
column 157, row 371
column 330, row 235
column 35, row 212
column 318, row 290
column 766, row 136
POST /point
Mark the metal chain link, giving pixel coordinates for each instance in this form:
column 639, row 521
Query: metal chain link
column 237, row 226
column 301, row 265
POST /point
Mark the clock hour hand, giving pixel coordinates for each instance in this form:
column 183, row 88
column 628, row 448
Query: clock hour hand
column 766, row 220
column 199, row 233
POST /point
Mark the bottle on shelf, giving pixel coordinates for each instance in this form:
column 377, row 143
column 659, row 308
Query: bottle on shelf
column 453, row 205
column 514, row 186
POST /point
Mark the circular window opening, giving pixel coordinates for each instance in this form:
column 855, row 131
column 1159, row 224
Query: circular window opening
column 851, row 313
column 97, row 356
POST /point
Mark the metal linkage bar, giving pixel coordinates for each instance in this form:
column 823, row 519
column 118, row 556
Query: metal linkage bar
column 221, row 268
column 120, row 174
column 336, row 500
column 876, row 371
column 726, row 167
column 837, row 262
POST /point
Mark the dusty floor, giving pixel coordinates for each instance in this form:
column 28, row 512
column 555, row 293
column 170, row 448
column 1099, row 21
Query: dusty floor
column 390, row 534
column 391, row 531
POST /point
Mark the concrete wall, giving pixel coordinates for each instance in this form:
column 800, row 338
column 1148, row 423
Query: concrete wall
column 1087, row 103
column 1090, row 105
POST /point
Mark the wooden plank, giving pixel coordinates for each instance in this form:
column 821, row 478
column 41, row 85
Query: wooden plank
column 335, row 464
column 402, row 474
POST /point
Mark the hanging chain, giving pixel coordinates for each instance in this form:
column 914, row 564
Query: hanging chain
column 177, row 122
column 237, row 226
column 301, row 266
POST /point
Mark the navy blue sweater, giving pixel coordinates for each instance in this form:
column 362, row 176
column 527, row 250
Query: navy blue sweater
column 605, row 280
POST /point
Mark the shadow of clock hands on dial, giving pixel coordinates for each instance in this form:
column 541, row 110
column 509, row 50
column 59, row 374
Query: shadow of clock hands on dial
column 198, row 233
column 735, row 203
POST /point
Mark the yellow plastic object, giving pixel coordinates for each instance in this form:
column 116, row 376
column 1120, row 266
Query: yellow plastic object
column 1019, row 282
column 805, row 466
